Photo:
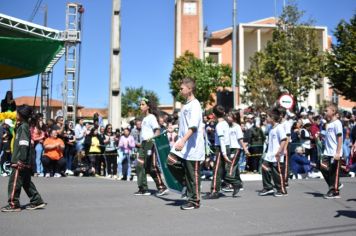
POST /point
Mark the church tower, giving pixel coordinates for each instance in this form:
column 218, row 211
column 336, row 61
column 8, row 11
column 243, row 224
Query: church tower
column 189, row 27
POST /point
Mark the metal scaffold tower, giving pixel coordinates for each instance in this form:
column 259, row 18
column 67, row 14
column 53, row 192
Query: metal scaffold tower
column 72, row 37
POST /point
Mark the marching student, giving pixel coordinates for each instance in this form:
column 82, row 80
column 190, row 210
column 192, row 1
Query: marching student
column 20, row 176
column 222, row 159
column 271, row 165
column 147, row 159
column 236, row 146
column 287, row 129
column 187, row 153
column 330, row 163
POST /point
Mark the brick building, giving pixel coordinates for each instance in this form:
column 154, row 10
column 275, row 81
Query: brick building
column 251, row 37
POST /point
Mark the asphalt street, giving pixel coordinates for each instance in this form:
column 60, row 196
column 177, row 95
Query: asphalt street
column 97, row 206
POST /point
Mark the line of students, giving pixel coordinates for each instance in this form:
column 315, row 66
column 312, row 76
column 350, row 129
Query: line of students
column 187, row 153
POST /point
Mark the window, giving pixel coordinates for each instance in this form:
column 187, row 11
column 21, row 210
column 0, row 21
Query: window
column 214, row 56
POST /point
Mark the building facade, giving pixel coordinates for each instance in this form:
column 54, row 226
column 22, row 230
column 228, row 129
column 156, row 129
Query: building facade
column 251, row 37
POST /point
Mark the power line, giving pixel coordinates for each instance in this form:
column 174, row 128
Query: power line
column 35, row 10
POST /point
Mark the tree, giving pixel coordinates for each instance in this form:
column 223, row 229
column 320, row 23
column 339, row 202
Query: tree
column 342, row 60
column 131, row 100
column 292, row 60
column 260, row 88
column 208, row 76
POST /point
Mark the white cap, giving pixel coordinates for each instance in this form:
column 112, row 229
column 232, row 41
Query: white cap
column 306, row 121
column 9, row 122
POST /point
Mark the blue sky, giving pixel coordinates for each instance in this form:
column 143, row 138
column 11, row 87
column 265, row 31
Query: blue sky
column 147, row 39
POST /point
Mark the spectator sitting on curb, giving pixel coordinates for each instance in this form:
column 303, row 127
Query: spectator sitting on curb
column 300, row 165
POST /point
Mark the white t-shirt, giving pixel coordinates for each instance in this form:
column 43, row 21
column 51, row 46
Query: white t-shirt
column 191, row 117
column 306, row 142
column 222, row 136
column 235, row 135
column 332, row 130
column 287, row 127
column 276, row 135
column 149, row 124
column 222, row 130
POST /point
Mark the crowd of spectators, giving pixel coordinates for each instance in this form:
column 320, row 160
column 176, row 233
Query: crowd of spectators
column 63, row 148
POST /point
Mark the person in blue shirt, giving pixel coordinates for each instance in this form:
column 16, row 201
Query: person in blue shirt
column 301, row 165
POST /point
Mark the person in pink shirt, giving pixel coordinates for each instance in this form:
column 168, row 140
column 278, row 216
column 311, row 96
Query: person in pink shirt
column 126, row 145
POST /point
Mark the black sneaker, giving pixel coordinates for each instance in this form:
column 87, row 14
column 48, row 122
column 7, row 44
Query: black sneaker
column 236, row 190
column 9, row 208
column 265, row 192
column 32, row 206
column 332, row 195
column 280, row 194
column 142, row 193
column 189, row 206
column 213, row 195
column 162, row 191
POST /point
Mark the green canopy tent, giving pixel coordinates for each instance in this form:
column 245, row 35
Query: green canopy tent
column 26, row 48
column 23, row 57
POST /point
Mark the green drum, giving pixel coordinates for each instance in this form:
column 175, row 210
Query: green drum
column 162, row 150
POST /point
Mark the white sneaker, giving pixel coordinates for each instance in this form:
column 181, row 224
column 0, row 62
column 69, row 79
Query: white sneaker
column 48, row 175
column 40, row 175
column 69, row 172
column 313, row 175
column 108, row 176
column 352, row 174
column 57, row 175
column 4, row 174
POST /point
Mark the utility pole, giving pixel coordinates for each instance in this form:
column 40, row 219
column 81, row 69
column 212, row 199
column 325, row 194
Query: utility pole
column 115, row 67
column 45, row 108
column 234, row 53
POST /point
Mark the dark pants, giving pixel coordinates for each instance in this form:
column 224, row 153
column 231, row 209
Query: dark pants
column 330, row 169
column 253, row 160
column 147, row 163
column 273, row 170
column 285, row 168
column 111, row 162
column 96, row 160
column 22, row 179
column 221, row 171
column 69, row 152
column 53, row 166
column 234, row 168
column 187, row 173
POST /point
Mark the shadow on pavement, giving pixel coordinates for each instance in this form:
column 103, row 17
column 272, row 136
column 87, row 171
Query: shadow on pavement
column 173, row 202
column 350, row 214
column 315, row 194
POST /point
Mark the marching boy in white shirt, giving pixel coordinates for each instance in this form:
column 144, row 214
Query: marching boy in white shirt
column 272, row 163
column 222, row 159
column 189, row 150
column 330, row 163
